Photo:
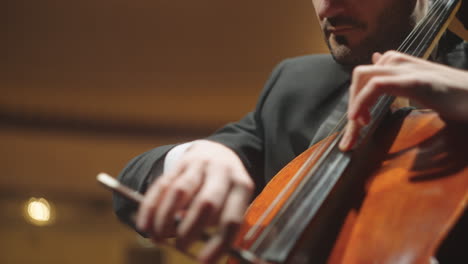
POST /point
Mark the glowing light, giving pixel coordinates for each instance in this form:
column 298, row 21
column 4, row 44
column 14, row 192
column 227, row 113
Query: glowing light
column 39, row 211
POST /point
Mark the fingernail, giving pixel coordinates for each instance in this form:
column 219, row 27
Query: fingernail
column 344, row 142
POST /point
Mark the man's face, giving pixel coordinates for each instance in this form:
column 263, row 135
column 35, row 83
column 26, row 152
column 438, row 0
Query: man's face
column 354, row 29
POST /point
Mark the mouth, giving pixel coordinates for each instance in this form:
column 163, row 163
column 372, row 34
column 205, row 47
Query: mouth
column 343, row 29
column 342, row 24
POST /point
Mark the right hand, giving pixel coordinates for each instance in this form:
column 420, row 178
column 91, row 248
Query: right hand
column 211, row 186
column 441, row 88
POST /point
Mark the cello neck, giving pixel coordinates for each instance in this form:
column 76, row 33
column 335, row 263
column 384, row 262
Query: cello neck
column 420, row 43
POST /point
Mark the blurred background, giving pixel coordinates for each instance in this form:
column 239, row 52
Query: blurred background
column 87, row 85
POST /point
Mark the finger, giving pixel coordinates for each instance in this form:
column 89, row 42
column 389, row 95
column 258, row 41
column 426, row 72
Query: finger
column 374, row 78
column 361, row 76
column 152, row 197
column 393, row 85
column 218, row 245
column 394, row 58
column 231, row 219
column 177, row 197
column 350, row 136
column 236, row 203
column 376, row 57
column 391, row 58
column 147, row 208
column 206, row 207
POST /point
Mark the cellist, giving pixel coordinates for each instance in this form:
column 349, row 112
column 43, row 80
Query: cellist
column 213, row 179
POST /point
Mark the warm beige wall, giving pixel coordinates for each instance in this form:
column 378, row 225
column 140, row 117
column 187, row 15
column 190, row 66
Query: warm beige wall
column 177, row 64
column 77, row 73
column 133, row 59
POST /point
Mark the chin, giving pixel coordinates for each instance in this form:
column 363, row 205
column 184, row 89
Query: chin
column 347, row 58
column 345, row 54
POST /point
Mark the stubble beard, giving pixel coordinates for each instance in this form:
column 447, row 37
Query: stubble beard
column 391, row 33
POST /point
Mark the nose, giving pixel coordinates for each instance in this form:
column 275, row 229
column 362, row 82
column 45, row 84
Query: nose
column 329, row 8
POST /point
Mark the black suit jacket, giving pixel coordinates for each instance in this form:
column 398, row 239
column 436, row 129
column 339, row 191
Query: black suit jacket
column 299, row 95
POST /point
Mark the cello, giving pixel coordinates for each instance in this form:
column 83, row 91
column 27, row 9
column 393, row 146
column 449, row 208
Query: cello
column 393, row 199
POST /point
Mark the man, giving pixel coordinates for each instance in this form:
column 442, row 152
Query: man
column 212, row 180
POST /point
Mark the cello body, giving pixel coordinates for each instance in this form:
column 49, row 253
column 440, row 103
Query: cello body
column 410, row 187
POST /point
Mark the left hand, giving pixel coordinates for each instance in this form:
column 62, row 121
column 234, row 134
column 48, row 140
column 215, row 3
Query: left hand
column 436, row 86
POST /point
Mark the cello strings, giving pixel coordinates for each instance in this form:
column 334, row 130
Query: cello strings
column 285, row 190
column 297, row 176
column 434, row 14
column 449, row 7
column 419, row 30
column 420, row 49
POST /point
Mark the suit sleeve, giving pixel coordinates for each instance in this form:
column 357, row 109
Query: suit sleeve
column 137, row 175
column 244, row 137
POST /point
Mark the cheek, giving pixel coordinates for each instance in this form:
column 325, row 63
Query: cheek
column 368, row 11
column 397, row 11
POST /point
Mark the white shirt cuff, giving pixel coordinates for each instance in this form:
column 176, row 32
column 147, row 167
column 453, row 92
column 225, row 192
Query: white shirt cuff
column 173, row 156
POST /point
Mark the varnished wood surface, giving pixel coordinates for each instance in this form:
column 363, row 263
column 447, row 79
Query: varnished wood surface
column 410, row 202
